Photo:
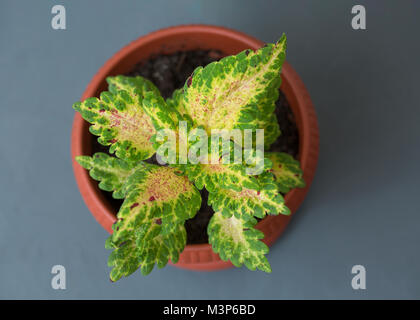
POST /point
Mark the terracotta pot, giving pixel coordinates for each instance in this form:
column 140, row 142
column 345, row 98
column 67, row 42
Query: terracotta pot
column 188, row 37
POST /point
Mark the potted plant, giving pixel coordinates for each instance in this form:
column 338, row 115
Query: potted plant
column 238, row 92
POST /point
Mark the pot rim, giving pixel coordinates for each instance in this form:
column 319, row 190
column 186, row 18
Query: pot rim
column 296, row 94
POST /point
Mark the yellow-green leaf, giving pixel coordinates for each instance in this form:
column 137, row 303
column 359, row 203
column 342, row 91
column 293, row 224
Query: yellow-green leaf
column 155, row 194
column 118, row 118
column 248, row 203
column 147, row 247
column 227, row 176
column 287, row 171
column 271, row 130
column 235, row 91
column 236, row 240
column 110, row 171
column 150, row 224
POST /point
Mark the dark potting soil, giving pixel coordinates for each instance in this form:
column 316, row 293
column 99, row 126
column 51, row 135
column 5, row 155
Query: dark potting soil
column 169, row 72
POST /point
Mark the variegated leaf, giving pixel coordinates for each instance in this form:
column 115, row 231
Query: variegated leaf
column 155, row 194
column 236, row 240
column 166, row 117
column 158, row 248
column 287, row 171
column 248, row 203
column 118, row 118
column 110, row 171
column 177, row 101
column 271, row 130
column 219, row 170
column 150, row 226
column 227, row 176
column 163, row 116
column 147, row 247
column 232, row 92
column 131, row 85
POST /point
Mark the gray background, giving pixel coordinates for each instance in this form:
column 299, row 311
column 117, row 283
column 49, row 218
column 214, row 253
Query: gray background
column 363, row 207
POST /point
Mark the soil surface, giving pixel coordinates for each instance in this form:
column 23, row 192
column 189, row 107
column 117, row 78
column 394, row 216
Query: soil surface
column 169, row 72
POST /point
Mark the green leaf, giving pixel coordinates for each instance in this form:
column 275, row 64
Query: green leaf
column 155, row 193
column 271, row 130
column 130, row 84
column 150, row 225
column 248, row 203
column 221, row 172
column 287, row 171
column 118, row 118
column 227, row 176
column 236, row 240
column 146, row 248
column 158, row 248
column 166, row 117
column 177, row 101
column 234, row 92
column 163, row 116
column 110, row 171
column 124, row 260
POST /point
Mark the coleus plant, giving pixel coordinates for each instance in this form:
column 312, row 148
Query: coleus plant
column 237, row 92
